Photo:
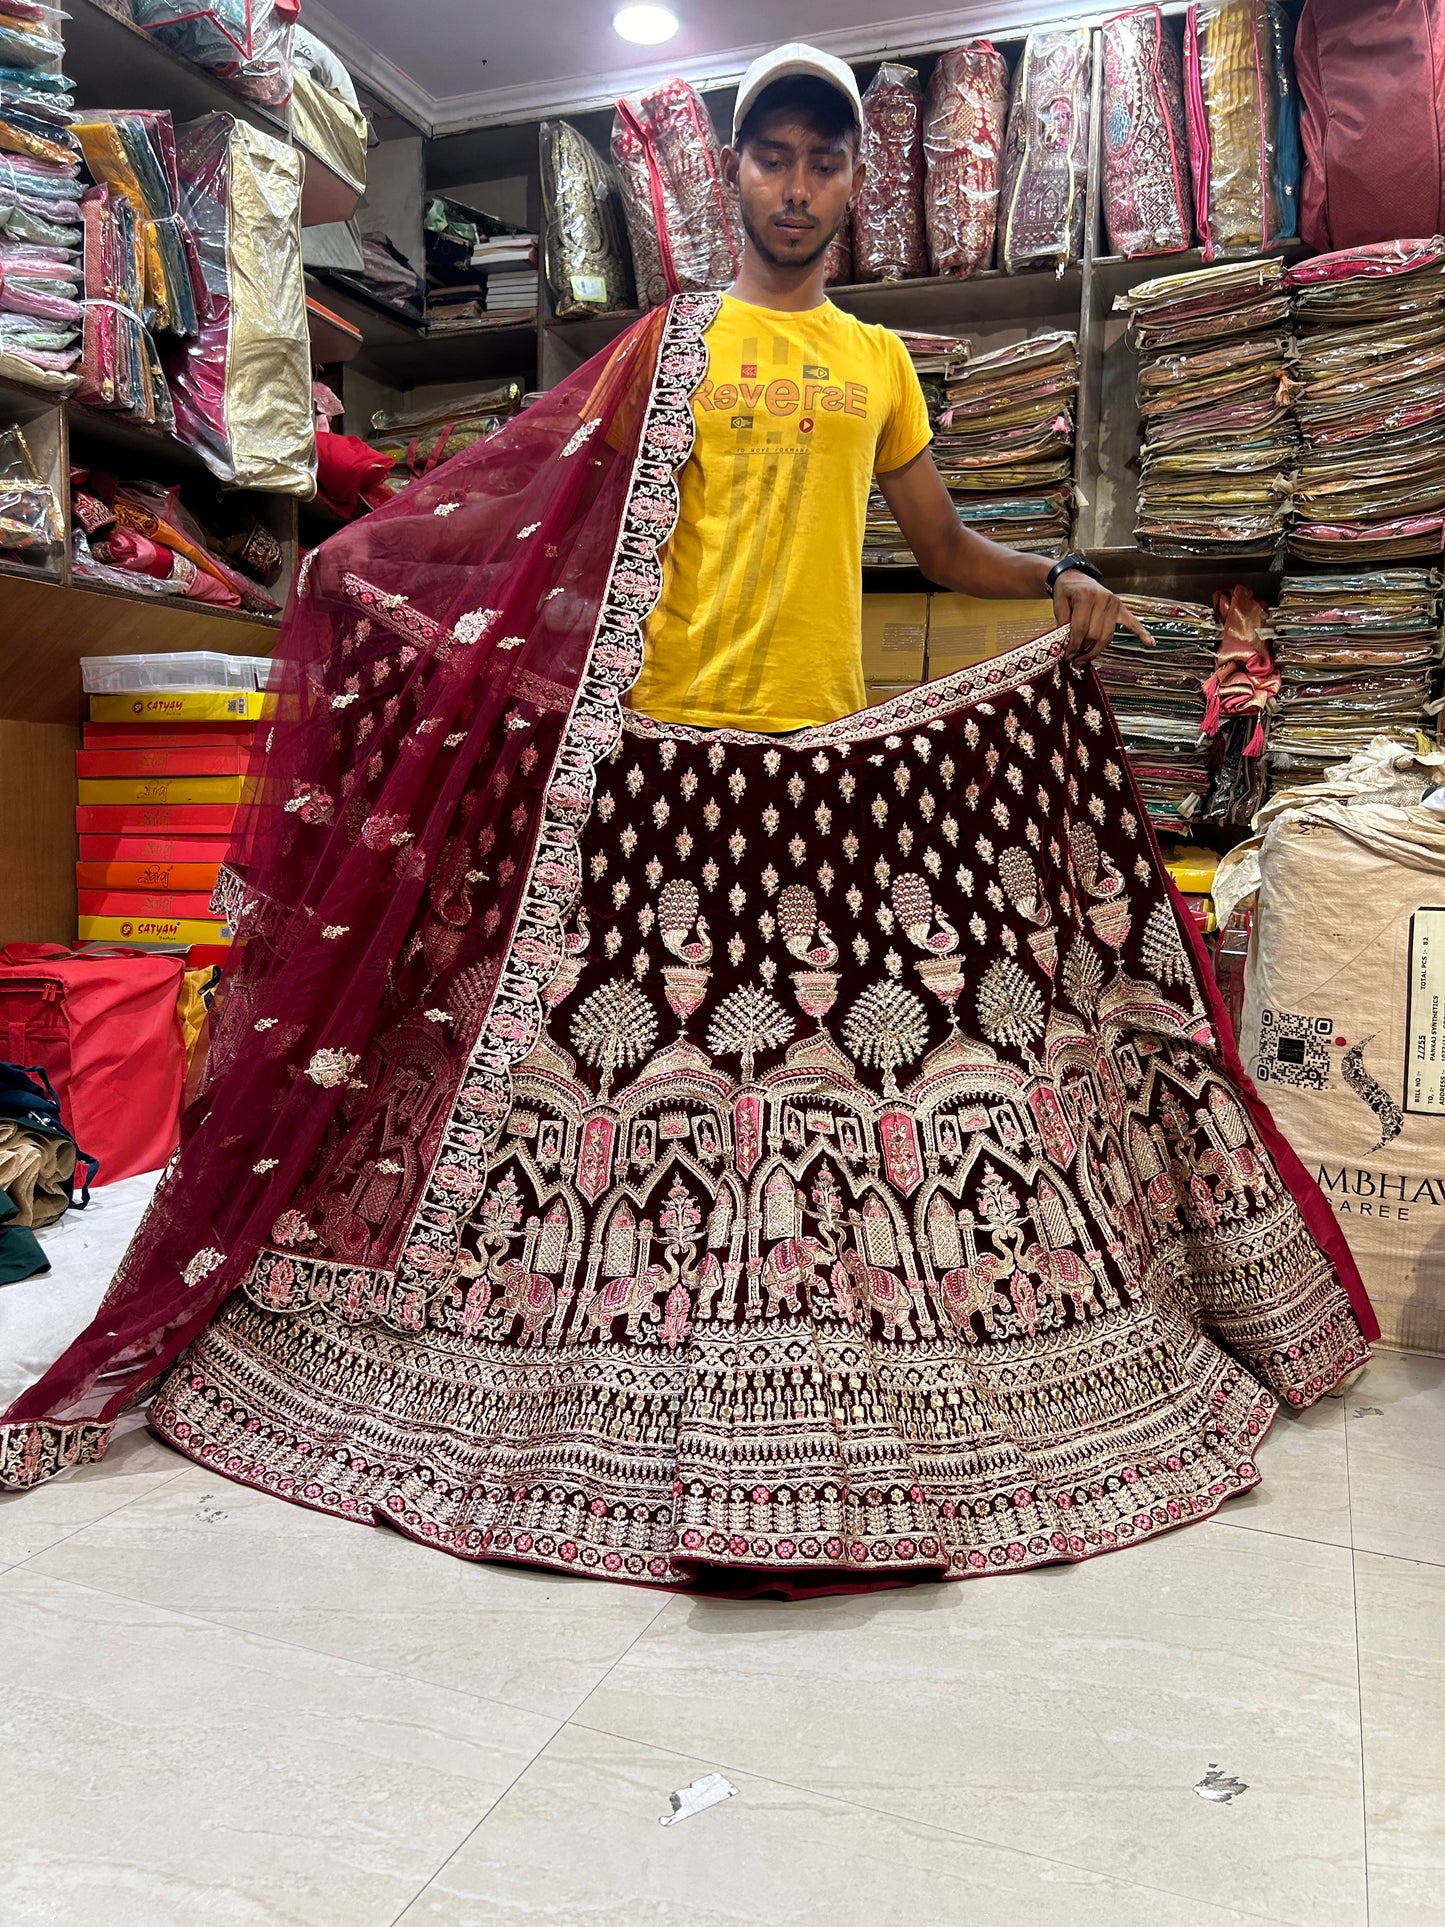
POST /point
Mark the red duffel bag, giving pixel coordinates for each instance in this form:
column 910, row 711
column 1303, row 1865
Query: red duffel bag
column 1372, row 86
column 106, row 1028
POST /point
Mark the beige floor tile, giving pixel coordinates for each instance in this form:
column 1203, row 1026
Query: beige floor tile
column 208, row 1546
column 577, row 1840
column 1073, row 1708
column 1395, row 1434
column 1401, row 1608
column 137, row 1463
column 1305, row 1489
column 162, row 1771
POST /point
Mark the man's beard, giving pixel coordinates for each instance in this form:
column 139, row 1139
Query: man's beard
column 757, row 234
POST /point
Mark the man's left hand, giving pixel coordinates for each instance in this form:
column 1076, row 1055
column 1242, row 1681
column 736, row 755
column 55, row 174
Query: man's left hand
column 1093, row 613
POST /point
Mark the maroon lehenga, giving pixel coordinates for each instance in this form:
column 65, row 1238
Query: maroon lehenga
column 694, row 1156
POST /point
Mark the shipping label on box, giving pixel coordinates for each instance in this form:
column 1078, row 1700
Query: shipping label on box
column 962, row 630
column 895, row 637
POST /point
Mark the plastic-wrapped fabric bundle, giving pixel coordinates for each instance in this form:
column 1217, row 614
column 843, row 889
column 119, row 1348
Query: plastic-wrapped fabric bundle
column 682, row 218
column 1371, row 404
column 1046, row 153
column 1157, row 696
column 889, row 234
column 1243, row 114
column 1005, row 442
column 135, row 153
column 40, row 230
column 325, row 112
column 119, row 366
column 584, row 253
column 1359, row 654
column 963, row 147
column 936, row 359
column 1220, row 440
column 1147, row 189
column 242, row 386
column 31, row 525
column 245, row 43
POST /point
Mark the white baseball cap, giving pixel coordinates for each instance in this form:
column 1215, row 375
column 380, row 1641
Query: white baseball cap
column 797, row 57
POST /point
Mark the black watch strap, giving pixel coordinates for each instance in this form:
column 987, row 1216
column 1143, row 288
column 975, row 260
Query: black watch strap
column 1066, row 563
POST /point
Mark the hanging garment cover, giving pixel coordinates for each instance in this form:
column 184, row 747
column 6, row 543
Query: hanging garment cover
column 889, row 238
column 682, row 218
column 1372, row 93
column 963, row 147
column 1147, row 188
column 584, row 250
column 242, row 385
column 606, row 1118
column 1046, row 154
column 1243, row 118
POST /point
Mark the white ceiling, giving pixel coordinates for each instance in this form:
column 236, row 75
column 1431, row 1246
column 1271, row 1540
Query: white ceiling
column 452, row 64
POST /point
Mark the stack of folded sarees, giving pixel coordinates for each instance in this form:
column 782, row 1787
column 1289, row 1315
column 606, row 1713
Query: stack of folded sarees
column 1360, row 656
column 1004, row 445
column 1157, row 696
column 40, row 232
column 1370, row 329
column 1219, row 438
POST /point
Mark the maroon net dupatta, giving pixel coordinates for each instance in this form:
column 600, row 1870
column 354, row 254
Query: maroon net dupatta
column 452, row 670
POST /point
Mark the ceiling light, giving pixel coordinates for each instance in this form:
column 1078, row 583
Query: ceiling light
column 645, row 26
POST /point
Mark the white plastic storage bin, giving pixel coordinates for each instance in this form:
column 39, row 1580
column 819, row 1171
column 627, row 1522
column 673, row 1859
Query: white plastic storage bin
column 183, row 671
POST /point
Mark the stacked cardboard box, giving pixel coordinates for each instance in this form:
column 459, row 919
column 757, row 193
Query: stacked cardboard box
column 160, row 778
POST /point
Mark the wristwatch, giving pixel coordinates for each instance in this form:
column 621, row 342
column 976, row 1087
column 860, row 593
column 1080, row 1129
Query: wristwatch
column 1065, row 564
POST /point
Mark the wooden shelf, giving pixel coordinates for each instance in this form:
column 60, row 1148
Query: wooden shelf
column 405, row 354
column 333, row 339
column 951, row 305
column 49, row 627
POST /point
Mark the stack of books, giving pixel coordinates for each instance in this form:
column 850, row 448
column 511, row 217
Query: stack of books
column 160, row 777
column 509, row 263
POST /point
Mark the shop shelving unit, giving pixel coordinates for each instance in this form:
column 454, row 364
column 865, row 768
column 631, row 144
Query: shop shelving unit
column 48, row 619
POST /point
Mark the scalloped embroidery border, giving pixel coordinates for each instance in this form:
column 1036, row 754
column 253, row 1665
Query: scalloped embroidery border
column 911, row 709
column 513, row 1020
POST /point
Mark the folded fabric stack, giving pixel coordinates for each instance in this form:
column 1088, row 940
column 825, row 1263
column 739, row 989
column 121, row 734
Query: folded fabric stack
column 40, row 231
column 141, row 537
column 419, row 439
column 140, row 262
column 1004, row 442
column 475, row 264
column 135, row 154
column 1370, row 331
column 936, row 360
column 1220, row 442
column 1360, row 656
column 1157, row 696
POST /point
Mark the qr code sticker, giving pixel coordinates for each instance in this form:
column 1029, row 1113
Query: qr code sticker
column 1294, row 1050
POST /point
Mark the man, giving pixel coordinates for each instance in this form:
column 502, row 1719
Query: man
column 760, row 622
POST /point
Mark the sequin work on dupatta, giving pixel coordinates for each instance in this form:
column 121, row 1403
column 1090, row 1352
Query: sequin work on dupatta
column 876, row 1200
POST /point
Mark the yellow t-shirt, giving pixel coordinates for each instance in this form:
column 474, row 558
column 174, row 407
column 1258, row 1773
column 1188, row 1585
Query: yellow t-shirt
column 760, row 622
